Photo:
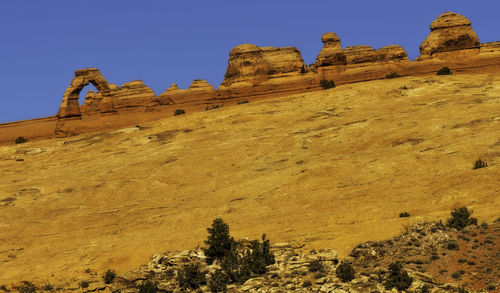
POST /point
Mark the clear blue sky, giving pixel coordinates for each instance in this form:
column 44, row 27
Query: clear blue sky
column 43, row 42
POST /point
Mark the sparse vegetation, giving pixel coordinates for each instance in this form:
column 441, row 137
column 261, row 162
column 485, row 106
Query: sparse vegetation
column 460, row 218
column 480, row 164
column 109, row 276
column 392, row 75
column 84, row 284
column 243, row 102
column 47, row 287
column 451, row 245
column 327, row 84
column 179, row 112
column 306, row 283
column 345, row 272
column 191, row 277
column 21, row 139
column 444, row 71
column 26, row 287
column 404, row 215
column 218, row 282
column 316, row 266
column 148, row 287
column 398, row 278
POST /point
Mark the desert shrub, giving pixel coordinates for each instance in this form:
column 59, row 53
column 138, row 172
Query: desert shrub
column 444, row 71
column 109, row 276
column 179, row 112
column 479, row 164
column 219, row 242
column 327, row 84
column 345, row 272
column 21, row 139
column 27, row 287
column 398, row 278
column 218, row 282
column 191, row 277
column 148, row 287
column 451, row 245
column 392, row 75
column 47, row 287
column 404, row 215
column 458, row 274
column 460, row 218
column 84, row 284
column 306, row 283
column 303, row 69
column 316, row 266
column 241, row 267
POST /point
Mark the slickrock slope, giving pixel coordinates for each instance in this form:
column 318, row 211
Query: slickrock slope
column 330, row 168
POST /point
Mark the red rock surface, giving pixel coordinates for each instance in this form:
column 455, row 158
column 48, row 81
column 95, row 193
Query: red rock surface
column 255, row 73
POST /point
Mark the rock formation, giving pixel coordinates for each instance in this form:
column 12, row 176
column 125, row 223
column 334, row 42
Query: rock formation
column 449, row 32
column 69, row 105
column 250, row 68
column 255, row 72
column 109, row 98
column 199, row 90
column 331, row 54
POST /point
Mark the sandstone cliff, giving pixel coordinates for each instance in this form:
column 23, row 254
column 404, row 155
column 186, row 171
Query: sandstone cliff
column 255, row 72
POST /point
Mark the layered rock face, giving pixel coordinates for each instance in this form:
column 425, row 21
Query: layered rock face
column 133, row 94
column 331, row 54
column 199, row 90
column 449, row 32
column 251, row 67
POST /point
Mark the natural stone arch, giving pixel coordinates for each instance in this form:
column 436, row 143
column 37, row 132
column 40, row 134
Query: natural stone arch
column 69, row 105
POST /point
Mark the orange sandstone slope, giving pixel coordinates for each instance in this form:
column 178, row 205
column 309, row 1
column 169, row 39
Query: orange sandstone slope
column 255, row 73
column 331, row 168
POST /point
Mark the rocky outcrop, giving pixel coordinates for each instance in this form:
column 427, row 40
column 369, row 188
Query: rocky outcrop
column 251, row 68
column 69, row 105
column 364, row 54
column 449, row 32
column 199, row 90
column 133, row 94
column 331, row 54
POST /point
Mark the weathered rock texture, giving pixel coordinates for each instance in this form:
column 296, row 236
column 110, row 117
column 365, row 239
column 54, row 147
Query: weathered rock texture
column 450, row 32
column 199, row 91
column 265, row 72
column 331, row 54
column 258, row 71
column 69, row 106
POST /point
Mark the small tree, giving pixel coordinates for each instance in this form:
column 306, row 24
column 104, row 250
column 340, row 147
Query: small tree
column 345, row 272
column 460, row 218
column 219, row 242
column 398, row 278
column 327, row 84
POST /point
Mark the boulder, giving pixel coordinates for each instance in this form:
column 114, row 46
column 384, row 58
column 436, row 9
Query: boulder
column 449, row 32
column 331, row 54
